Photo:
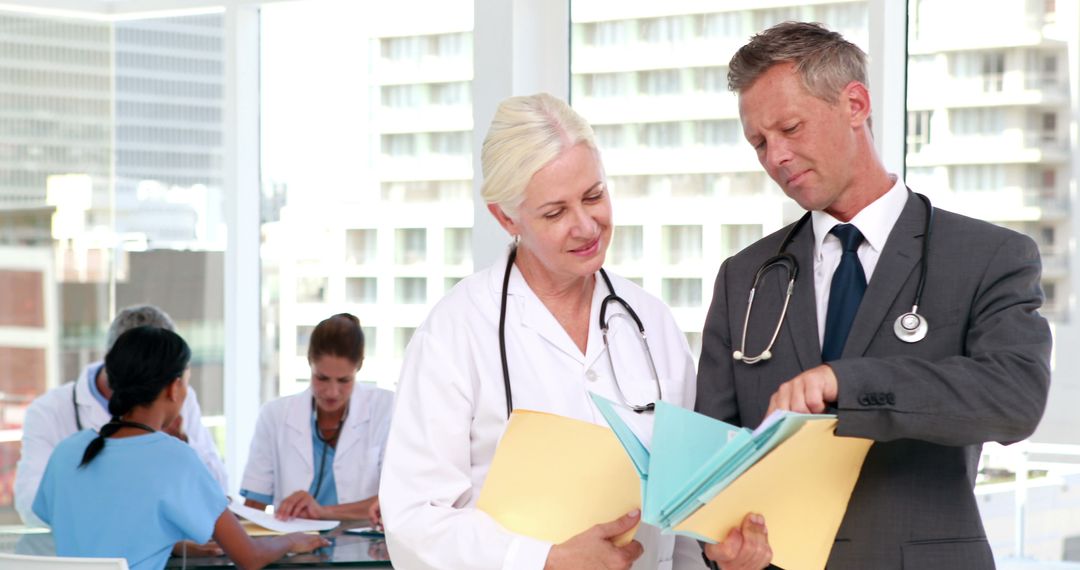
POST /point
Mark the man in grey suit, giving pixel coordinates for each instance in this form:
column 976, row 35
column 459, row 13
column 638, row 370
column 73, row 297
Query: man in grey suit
column 980, row 374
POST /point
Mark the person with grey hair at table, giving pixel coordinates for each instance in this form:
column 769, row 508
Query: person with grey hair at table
column 84, row 404
column 526, row 333
column 919, row 328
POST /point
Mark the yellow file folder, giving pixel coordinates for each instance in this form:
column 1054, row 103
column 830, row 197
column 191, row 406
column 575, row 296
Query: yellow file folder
column 802, row 489
column 554, row 477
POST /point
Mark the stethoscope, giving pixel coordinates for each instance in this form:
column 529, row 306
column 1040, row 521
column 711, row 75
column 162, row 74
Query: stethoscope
column 612, row 297
column 908, row 327
column 326, row 442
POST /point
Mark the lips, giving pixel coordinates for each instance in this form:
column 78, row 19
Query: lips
column 796, row 177
column 587, row 249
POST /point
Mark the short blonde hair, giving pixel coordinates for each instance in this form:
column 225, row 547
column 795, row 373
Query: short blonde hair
column 526, row 134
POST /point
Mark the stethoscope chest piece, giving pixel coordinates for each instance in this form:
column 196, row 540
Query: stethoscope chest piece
column 911, row 327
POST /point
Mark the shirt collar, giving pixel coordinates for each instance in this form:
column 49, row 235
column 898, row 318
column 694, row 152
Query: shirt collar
column 874, row 222
column 91, row 383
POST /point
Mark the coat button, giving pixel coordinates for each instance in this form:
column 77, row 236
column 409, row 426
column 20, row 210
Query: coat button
column 591, row 375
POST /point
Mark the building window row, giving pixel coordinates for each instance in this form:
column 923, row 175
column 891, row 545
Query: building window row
column 417, row 95
column 419, row 48
column 454, row 143
column 682, row 81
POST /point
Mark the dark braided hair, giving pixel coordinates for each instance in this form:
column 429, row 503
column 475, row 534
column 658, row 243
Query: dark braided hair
column 339, row 335
column 141, row 363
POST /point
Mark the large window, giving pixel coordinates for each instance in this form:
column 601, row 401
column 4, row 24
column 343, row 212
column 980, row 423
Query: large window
column 366, row 141
column 111, row 194
column 687, row 189
column 118, row 146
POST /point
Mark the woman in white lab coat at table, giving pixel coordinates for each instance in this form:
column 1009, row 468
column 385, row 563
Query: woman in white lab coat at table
column 544, row 183
column 318, row 454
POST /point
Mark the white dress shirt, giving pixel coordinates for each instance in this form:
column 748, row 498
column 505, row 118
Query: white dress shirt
column 875, row 222
column 451, row 411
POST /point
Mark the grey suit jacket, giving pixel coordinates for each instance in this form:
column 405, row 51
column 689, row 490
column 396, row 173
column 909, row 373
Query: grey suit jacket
column 981, row 374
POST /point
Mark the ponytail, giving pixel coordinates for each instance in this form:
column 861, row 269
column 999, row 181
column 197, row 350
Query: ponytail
column 140, row 365
column 98, row 442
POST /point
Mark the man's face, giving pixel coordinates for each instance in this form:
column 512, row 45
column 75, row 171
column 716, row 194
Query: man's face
column 807, row 145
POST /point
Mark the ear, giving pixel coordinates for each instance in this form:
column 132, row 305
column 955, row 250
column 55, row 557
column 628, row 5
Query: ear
column 505, row 221
column 857, row 98
column 173, row 390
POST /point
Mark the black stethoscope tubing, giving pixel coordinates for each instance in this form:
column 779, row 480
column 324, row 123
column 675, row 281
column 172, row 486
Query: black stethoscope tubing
column 612, row 297
column 909, row 327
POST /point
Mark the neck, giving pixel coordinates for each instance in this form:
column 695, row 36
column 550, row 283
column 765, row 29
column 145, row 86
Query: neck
column 569, row 291
column 330, row 417
column 102, row 383
column 148, row 416
column 864, row 192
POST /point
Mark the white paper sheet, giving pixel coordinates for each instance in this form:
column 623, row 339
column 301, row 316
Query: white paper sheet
column 267, row 520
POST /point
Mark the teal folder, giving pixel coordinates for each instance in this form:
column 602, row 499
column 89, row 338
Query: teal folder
column 694, row 457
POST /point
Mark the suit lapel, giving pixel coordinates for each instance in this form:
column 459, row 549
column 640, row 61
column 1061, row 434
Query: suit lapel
column 802, row 314
column 902, row 252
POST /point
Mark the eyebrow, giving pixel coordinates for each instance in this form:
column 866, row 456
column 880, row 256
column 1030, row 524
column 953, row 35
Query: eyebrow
column 557, row 202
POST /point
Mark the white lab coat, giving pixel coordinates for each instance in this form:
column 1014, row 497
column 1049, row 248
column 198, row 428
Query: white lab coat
column 51, row 418
column 282, row 460
column 451, row 412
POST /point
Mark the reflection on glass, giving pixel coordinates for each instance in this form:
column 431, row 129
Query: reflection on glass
column 682, row 292
column 652, row 81
column 111, row 194
column 410, row 290
column 410, row 246
column 361, row 289
column 361, row 246
column 381, row 165
column 985, row 138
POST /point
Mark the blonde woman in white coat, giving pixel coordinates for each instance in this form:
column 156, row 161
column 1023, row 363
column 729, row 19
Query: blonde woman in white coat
column 544, row 183
column 318, row 454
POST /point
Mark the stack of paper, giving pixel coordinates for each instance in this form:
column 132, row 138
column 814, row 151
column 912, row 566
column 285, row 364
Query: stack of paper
column 703, row 476
column 267, row 520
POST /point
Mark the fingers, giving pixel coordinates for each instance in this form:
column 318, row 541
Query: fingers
column 726, row 550
column 631, row 551
column 289, row 507
column 756, row 552
column 744, row 548
column 807, row 393
column 618, row 526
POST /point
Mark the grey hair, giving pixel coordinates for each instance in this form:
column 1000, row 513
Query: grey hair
column 526, row 134
column 137, row 316
column 824, row 60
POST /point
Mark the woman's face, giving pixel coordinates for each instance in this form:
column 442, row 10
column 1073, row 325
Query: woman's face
column 181, row 390
column 332, row 381
column 565, row 219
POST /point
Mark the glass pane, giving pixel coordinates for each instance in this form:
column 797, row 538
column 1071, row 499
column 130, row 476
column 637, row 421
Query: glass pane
column 652, row 81
column 366, row 126
column 985, row 135
column 111, row 191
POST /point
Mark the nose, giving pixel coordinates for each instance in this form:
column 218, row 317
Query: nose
column 584, row 225
column 777, row 153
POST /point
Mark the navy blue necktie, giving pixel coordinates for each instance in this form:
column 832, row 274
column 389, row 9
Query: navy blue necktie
column 845, row 293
